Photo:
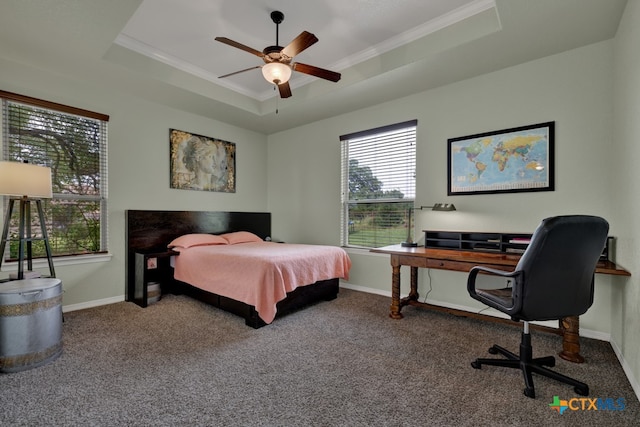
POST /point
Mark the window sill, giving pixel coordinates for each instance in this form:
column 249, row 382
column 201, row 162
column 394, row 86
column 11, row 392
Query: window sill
column 60, row 261
column 361, row 251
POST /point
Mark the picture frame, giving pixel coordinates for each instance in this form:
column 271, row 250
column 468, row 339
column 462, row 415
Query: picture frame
column 201, row 163
column 513, row 160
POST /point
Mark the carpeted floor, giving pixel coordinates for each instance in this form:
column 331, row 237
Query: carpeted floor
column 340, row 363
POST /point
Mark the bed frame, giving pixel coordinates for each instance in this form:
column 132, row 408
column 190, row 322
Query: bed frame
column 151, row 231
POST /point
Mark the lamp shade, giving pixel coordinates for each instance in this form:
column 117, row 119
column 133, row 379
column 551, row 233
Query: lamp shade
column 24, row 179
column 276, row 72
column 446, row 207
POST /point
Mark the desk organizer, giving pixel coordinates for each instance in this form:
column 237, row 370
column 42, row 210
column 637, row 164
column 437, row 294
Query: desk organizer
column 514, row 243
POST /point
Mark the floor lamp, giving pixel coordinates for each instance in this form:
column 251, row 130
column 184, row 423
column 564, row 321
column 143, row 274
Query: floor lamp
column 25, row 183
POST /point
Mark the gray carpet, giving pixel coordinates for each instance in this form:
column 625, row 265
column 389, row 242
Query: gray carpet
column 340, row 363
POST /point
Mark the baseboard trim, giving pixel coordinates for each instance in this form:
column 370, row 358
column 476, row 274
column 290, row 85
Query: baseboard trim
column 365, row 289
column 91, row 304
column 635, row 385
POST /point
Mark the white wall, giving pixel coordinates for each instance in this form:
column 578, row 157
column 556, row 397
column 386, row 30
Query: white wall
column 139, row 168
column 625, row 177
column 574, row 89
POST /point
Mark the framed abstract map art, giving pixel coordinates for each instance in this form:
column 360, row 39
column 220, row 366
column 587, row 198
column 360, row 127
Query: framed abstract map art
column 202, row 163
column 505, row 161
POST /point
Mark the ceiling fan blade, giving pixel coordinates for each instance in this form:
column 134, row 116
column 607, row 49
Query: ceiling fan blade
column 241, row 71
column 239, row 46
column 300, row 43
column 316, row 71
column 285, row 90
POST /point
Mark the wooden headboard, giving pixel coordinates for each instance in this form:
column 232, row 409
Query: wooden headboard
column 151, row 231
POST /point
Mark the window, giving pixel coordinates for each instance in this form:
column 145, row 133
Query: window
column 73, row 143
column 378, row 185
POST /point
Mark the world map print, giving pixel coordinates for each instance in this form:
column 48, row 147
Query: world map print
column 515, row 160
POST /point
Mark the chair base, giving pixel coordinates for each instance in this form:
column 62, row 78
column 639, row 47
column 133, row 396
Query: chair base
column 528, row 365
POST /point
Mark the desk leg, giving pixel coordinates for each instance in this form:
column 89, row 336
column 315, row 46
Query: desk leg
column 413, row 294
column 570, row 327
column 395, row 293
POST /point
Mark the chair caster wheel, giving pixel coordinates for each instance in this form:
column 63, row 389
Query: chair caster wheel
column 582, row 391
column 530, row 392
column 493, row 350
column 476, row 365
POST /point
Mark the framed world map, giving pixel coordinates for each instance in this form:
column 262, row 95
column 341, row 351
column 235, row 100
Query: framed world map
column 505, row 161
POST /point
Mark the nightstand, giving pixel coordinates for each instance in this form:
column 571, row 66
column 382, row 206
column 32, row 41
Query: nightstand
column 151, row 268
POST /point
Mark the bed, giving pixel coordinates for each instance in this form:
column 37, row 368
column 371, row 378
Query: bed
column 153, row 231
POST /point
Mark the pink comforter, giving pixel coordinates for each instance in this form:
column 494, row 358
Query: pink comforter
column 259, row 273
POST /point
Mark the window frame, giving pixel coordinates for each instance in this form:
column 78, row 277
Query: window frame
column 101, row 199
column 376, row 133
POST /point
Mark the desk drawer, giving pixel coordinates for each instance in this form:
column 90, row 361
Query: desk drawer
column 444, row 264
column 409, row 260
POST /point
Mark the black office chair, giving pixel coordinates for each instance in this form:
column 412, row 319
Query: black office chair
column 553, row 279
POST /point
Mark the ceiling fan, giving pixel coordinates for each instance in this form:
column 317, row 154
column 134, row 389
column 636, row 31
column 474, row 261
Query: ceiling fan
column 277, row 66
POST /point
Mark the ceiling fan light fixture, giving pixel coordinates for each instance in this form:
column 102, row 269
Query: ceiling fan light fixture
column 276, row 72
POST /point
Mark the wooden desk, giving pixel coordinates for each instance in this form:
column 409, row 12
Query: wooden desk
column 456, row 260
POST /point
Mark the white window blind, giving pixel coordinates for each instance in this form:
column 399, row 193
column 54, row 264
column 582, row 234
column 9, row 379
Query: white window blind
column 378, row 184
column 73, row 143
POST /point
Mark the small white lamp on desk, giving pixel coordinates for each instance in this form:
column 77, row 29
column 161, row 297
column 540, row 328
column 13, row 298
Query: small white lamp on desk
column 443, row 207
column 25, row 183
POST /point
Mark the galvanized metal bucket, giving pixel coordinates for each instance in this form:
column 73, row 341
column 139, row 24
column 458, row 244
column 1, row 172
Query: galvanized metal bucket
column 30, row 323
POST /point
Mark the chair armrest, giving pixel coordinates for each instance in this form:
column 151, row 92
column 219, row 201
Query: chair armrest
column 486, row 299
column 471, row 280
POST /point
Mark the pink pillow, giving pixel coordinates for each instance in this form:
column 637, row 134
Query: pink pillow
column 241, row 237
column 197, row 239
